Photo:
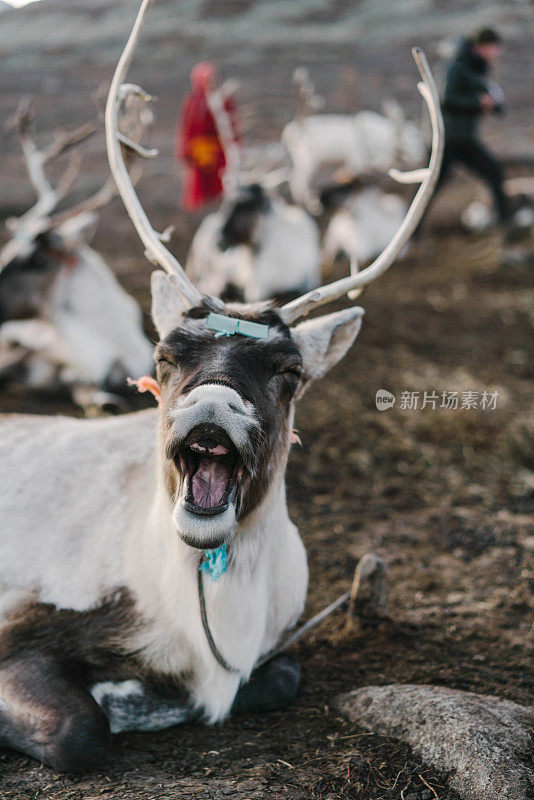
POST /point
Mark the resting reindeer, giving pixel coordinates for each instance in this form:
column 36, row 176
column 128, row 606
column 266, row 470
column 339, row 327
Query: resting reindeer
column 362, row 225
column 61, row 307
column 364, row 142
column 256, row 244
column 116, row 609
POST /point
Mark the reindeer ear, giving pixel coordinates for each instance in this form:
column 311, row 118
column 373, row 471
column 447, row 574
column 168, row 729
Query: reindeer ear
column 325, row 340
column 167, row 303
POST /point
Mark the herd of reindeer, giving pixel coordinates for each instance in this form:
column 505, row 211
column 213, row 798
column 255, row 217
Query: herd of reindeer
column 65, row 322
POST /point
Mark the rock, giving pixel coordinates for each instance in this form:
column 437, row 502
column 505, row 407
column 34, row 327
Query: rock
column 369, row 594
column 485, row 743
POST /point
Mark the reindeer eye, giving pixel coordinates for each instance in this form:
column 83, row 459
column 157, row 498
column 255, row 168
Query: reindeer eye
column 164, row 367
column 294, row 370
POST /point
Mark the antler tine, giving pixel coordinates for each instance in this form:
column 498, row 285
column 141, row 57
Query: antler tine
column 223, row 124
column 428, row 177
column 64, row 140
column 108, row 190
column 35, row 161
column 96, row 201
column 155, row 250
column 307, row 99
column 22, row 118
column 69, row 176
column 137, row 125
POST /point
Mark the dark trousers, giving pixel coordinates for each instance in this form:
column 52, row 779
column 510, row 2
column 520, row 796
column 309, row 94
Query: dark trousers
column 477, row 159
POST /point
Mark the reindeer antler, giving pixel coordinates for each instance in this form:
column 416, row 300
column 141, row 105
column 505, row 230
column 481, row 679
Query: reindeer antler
column 427, row 177
column 307, row 99
column 95, row 202
column 35, row 161
column 64, row 140
column 137, row 118
column 223, row 123
column 155, row 250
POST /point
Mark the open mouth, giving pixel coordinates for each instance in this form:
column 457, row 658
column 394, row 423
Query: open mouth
column 211, row 466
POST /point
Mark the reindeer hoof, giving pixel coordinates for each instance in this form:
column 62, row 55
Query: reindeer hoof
column 81, row 743
column 369, row 594
column 272, row 687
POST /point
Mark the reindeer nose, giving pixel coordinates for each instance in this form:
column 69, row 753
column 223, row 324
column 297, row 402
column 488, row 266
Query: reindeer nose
column 214, row 406
column 212, row 397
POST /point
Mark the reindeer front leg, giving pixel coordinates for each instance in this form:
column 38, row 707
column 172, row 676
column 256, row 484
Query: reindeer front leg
column 301, row 178
column 46, row 713
column 135, row 706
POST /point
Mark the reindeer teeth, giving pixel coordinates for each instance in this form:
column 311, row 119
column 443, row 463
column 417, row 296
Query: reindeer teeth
column 218, row 450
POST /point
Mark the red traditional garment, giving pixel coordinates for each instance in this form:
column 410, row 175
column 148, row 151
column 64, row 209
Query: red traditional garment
column 198, row 144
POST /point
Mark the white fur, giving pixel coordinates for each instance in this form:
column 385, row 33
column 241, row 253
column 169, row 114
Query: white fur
column 363, row 227
column 364, row 142
column 92, row 326
column 129, row 708
column 286, row 256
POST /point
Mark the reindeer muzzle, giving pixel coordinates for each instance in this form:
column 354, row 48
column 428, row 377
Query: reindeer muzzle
column 212, row 467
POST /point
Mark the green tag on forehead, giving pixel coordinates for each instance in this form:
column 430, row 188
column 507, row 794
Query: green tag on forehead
column 254, row 329
column 227, row 326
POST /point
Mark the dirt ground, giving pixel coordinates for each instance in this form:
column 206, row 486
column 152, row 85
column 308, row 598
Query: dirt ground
column 445, row 496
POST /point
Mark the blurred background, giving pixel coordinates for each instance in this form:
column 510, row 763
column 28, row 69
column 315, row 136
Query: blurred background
column 358, row 55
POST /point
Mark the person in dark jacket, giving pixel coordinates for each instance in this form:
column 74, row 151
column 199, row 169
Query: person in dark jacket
column 470, row 95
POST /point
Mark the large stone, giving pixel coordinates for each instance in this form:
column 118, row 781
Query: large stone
column 485, row 743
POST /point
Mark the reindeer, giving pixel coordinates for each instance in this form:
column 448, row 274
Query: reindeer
column 362, row 225
column 61, row 308
column 256, row 245
column 365, row 142
column 170, row 566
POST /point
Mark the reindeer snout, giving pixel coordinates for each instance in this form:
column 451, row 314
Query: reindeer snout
column 215, row 404
column 214, row 397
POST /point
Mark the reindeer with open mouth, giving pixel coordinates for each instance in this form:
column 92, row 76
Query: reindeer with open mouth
column 148, row 563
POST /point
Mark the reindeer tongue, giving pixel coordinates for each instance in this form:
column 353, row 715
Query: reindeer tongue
column 209, row 483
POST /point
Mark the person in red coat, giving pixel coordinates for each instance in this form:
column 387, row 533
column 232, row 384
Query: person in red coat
column 198, row 141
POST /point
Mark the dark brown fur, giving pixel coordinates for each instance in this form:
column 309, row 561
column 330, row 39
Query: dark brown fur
column 26, row 281
column 91, row 643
